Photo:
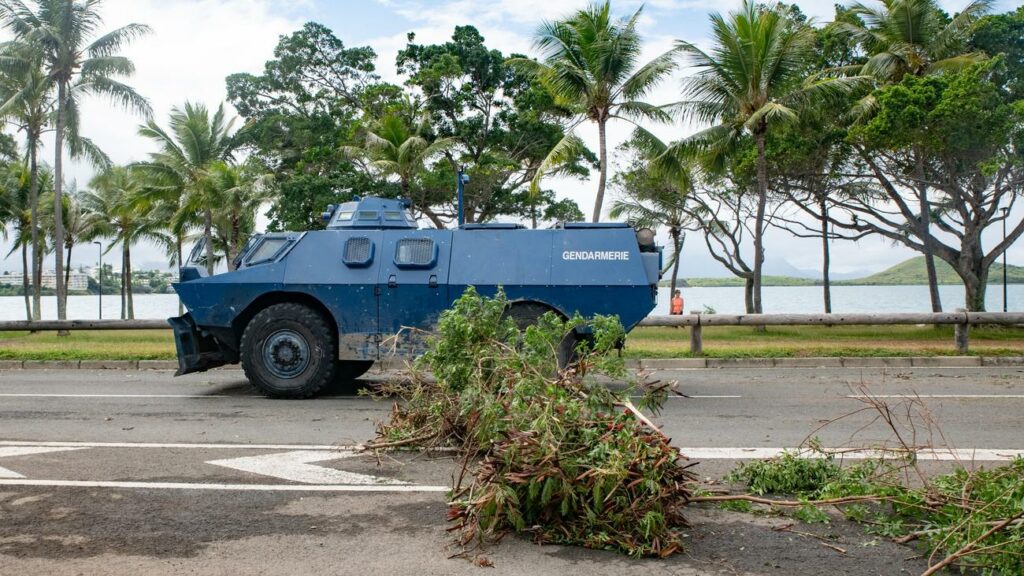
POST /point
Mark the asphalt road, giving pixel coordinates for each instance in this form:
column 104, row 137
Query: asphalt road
column 118, row 472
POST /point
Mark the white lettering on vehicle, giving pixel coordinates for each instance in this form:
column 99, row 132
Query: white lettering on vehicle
column 595, row 255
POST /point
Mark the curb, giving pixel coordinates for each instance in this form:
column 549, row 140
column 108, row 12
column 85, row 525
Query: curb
column 649, row 364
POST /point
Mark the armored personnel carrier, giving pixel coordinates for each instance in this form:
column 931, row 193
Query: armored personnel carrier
column 302, row 309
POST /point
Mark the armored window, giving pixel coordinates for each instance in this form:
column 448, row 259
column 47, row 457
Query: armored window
column 415, row 253
column 344, row 215
column 367, row 214
column 358, row 252
column 267, row 250
column 393, row 216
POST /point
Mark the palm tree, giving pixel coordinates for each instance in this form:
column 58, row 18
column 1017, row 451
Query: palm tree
column 913, row 37
column 394, row 148
column 242, row 190
column 589, row 64
column 28, row 104
column 15, row 211
column 180, row 172
column 62, row 34
column 654, row 192
column 121, row 213
column 80, row 225
column 751, row 79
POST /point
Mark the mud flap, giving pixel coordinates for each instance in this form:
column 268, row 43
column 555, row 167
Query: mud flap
column 196, row 352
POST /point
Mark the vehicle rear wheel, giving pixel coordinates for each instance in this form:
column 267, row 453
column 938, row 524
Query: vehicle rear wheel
column 526, row 314
column 288, row 351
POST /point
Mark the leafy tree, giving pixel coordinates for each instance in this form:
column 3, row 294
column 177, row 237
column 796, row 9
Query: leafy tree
column 1003, row 34
column 589, row 63
column 962, row 135
column 912, row 37
column 751, row 80
column 500, row 122
column 306, row 104
column 63, row 35
column 181, row 170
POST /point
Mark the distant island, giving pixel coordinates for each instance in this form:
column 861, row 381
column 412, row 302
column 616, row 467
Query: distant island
column 909, row 272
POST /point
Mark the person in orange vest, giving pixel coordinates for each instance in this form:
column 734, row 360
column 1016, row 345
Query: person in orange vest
column 677, row 303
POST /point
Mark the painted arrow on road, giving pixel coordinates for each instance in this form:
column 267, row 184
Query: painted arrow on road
column 297, row 466
column 25, row 451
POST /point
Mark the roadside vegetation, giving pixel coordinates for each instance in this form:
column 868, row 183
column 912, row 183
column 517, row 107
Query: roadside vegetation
column 962, row 517
column 719, row 342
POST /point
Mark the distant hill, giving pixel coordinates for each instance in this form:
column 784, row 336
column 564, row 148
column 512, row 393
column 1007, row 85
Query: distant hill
column 913, row 272
column 734, row 281
column 905, row 273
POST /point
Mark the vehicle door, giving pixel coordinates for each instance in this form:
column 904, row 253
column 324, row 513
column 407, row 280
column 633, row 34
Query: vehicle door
column 413, row 287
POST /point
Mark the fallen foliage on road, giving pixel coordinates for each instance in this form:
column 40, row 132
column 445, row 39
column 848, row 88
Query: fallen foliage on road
column 546, row 451
column 967, row 518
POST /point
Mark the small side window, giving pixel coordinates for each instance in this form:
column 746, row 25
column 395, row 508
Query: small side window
column 267, row 250
column 358, row 252
column 416, row 253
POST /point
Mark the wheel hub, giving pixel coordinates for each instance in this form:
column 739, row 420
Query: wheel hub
column 286, row 354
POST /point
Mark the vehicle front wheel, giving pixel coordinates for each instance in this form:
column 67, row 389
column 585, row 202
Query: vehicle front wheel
column 288, row 351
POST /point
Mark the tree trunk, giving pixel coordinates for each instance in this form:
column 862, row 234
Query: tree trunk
column 924, row 230
column 748, row 294
column 181, row 307
column 825, row 256
column 24, row 281
column 124, row 307
column 231, row 250
column 603, row 148
column 974, row 291
column 762, row 200
column 58, row 205
column 67, row 267
column 208, row 235
column 37, row 256
column 127, row 273
column 677, row 248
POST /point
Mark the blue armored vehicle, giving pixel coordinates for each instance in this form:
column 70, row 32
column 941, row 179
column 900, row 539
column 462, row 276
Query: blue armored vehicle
column 303, row 309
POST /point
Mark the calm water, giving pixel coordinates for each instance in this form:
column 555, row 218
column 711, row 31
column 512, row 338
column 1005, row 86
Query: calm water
column 797, row 299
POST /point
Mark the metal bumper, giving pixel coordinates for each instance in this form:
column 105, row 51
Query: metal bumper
column 197, row 351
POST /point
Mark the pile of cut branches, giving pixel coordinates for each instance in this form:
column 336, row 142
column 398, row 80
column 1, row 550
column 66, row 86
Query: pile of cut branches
column 546, row 451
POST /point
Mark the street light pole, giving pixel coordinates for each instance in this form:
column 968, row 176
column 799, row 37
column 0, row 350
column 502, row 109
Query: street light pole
column 100, row 244
column 1005, row 212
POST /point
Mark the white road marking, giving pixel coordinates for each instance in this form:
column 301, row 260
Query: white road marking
column 960, row 454
column 243, row 487
column 296, row 466
column 11, row 395
column 183, row 445
column 25, row 451
column 703, row 396
column 859, row 396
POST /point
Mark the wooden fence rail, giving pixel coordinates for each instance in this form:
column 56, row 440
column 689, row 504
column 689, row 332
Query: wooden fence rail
column 961, row 320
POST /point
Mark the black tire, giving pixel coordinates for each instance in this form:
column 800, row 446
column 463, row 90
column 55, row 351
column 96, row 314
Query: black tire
column 288, row 351
column 526, row 314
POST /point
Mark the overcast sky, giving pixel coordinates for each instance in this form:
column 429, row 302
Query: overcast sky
column 197, row 43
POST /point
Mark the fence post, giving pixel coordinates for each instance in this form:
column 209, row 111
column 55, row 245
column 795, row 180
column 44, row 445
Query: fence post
column 696, row 338
column 961, row 333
